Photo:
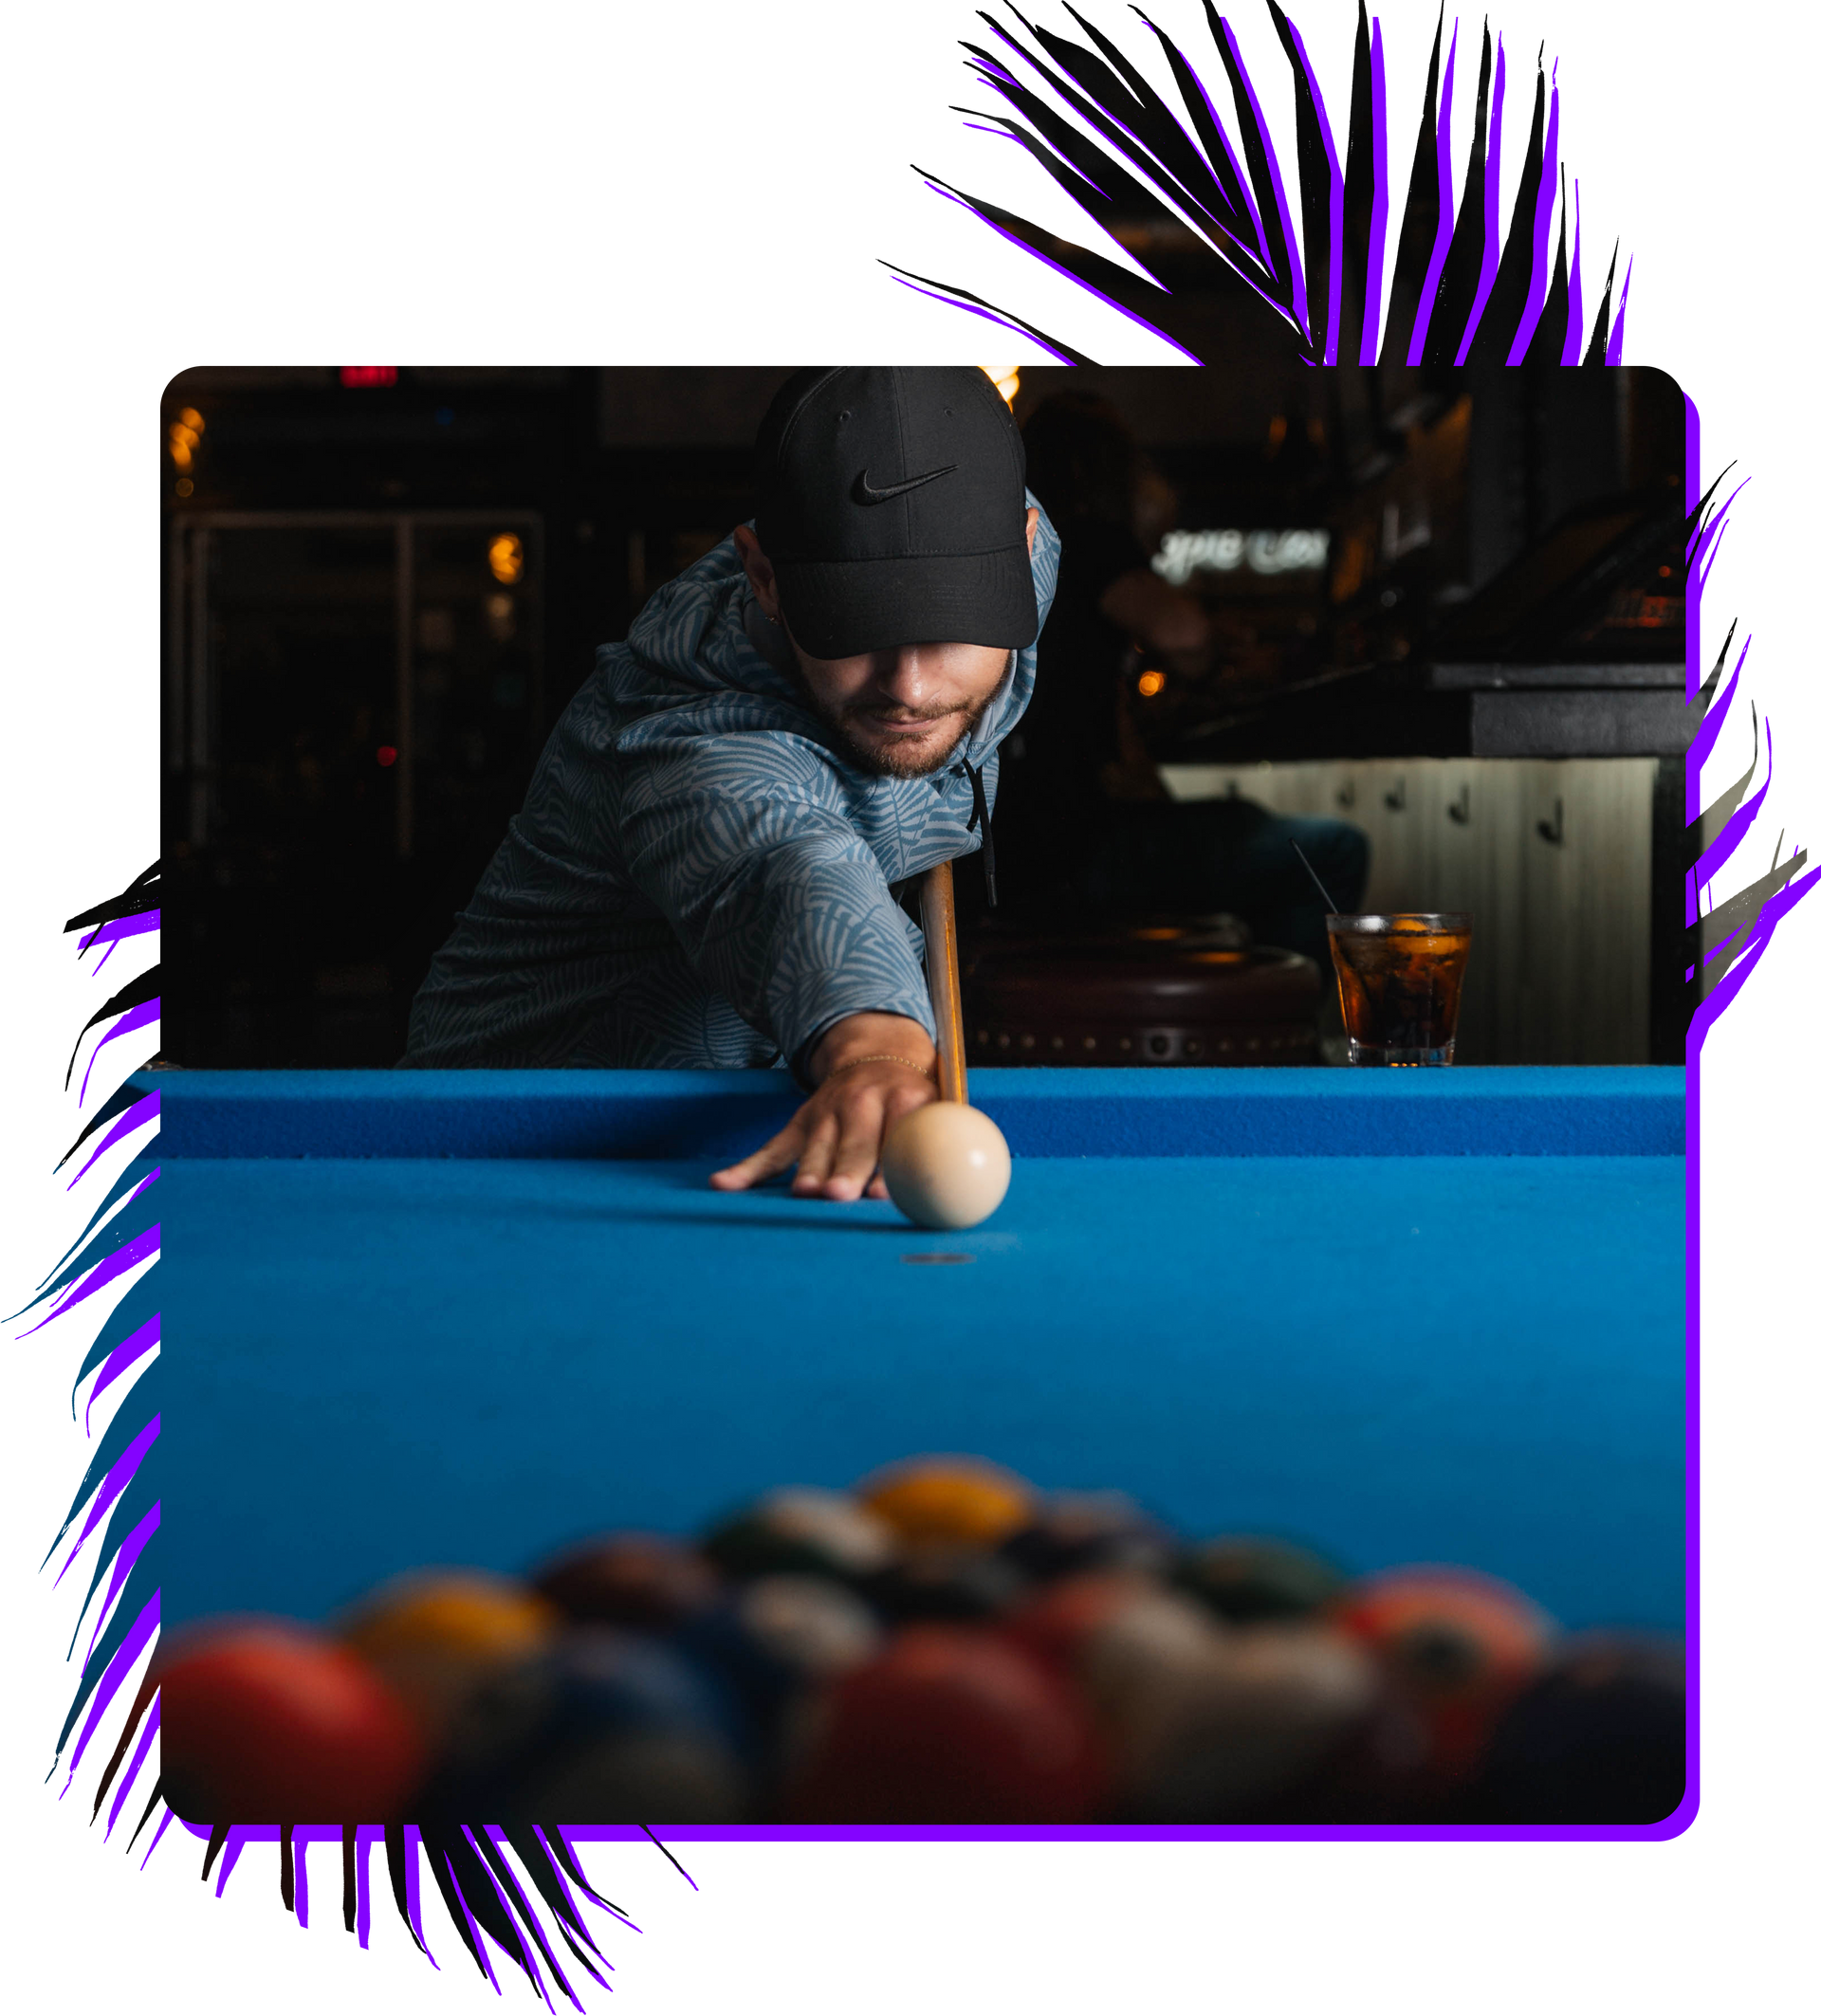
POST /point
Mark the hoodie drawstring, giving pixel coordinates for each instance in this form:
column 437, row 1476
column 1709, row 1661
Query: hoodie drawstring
column 983, row 818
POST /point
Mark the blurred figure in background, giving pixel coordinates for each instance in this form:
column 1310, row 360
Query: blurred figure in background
column 1083, row 824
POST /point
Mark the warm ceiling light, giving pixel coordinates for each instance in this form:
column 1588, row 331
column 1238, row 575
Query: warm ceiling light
column 191, row 418
column 1150, row 684
column 1004, row 377
column 506, row 557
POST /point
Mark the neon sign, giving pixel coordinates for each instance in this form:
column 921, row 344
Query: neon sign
column 1266, row 553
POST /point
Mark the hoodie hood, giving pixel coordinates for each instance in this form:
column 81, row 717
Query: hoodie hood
column 696, row 638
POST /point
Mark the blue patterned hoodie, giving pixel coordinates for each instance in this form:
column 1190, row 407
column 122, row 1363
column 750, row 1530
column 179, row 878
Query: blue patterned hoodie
column 699, row 877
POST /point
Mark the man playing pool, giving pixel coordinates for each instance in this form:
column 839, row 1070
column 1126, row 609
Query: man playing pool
column 703, row 871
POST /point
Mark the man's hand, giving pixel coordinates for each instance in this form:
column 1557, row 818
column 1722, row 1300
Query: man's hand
column 836, row 1136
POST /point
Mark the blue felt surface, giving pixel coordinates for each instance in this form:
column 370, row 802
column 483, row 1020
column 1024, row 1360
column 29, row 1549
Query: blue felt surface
column 378, row 1364
column 700, row 1115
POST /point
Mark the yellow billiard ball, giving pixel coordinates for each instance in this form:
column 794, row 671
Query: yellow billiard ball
column 946, row 1165
column 948, row 1501
column 436, row 1635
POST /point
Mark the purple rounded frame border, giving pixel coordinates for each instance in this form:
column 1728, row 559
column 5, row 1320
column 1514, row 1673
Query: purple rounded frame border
column 1247, row 221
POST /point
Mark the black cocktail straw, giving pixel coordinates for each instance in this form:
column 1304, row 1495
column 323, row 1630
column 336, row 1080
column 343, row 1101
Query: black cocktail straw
column 1332, row 909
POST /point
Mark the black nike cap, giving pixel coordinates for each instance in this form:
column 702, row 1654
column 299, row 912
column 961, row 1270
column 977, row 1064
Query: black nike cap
column 892, row 508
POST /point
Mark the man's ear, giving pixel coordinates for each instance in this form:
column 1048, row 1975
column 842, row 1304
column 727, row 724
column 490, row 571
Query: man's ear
column 1030, row 529
column 752, row 557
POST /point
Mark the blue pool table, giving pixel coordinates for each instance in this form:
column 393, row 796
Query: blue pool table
column 466, row 1317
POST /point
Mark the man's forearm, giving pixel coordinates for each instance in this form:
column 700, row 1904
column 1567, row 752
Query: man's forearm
column 870, row 1036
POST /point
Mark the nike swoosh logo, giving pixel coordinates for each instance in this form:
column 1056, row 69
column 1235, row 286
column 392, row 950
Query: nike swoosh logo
column 864, row 492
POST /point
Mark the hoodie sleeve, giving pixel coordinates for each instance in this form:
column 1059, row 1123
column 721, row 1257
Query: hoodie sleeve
column 742, row 841
column 731, row 821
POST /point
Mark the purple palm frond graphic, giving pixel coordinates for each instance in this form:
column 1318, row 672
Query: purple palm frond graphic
column 1298, row 236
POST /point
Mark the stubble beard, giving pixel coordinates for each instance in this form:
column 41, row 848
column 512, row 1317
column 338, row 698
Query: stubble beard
column 886, row 761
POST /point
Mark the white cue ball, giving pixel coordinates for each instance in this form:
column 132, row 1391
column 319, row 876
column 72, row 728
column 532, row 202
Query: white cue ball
column 946, row 1165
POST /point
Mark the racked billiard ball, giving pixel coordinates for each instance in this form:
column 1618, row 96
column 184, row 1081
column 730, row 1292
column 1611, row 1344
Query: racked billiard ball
column 1248, row 1580
column 774, row 1639
column 600, row 1727
column 1256, row 1727
column 264, row 1721
column 948, row 1501
column 799, row 1530
column 1133, row 1652
column 949, row 1724
column 1455, row 1648
column 436, row 1634
column 1599, row 1739
column 1070, row 1531
column 937, row 1584
column 643, row 1581
column 1204, row 1722
column 1137, row 1665
column 1056, row 1621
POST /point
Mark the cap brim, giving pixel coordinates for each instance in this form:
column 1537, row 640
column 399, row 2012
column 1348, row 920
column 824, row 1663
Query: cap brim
column 842, row 608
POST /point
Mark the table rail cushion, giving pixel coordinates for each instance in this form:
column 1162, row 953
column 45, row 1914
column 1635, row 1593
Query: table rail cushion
column 693, row 1116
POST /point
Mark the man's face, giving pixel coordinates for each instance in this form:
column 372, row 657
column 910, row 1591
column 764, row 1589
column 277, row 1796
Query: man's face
column 902, row 712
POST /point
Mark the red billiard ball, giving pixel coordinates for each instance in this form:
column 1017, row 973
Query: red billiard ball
column 1456, row 1648
column 266, row 1721
column 950, row 1724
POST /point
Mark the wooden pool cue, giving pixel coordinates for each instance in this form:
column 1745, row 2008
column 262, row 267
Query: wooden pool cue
column 943, row 966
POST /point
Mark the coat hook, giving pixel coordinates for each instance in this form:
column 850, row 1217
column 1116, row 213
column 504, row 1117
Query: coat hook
column 1552, row 832
column 1344, row 797
column 1459, row 811
column 1396, row 799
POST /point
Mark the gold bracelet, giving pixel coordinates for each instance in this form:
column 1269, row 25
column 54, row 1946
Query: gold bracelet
column 879, row 1057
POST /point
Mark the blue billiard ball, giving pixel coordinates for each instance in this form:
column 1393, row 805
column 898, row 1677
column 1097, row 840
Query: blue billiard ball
column 773, row 1642
column 607, row 1726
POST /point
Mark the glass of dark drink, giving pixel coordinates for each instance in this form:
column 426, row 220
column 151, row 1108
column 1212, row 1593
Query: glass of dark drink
column 1400, row 983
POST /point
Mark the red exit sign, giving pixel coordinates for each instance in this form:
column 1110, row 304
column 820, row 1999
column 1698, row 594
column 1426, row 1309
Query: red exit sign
column 357, row 376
